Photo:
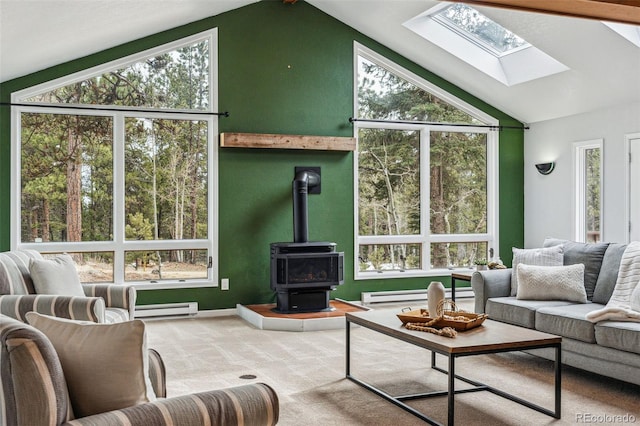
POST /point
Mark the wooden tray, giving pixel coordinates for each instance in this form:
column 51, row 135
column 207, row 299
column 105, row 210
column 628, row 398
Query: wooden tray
column 422, row 315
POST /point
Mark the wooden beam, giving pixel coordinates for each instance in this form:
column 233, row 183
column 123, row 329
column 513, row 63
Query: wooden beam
column 624, row 11
column 263, row 140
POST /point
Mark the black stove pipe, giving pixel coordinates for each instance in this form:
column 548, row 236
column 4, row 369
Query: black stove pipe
column 300, row 187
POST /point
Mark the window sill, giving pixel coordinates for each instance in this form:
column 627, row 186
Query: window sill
column 374, row 275
column 168, row 285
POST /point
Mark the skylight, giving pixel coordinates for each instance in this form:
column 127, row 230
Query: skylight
column 473, row 25
column 464, row 32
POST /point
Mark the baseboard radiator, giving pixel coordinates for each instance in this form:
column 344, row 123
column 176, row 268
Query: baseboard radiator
column 166, row 309
column 407, row 295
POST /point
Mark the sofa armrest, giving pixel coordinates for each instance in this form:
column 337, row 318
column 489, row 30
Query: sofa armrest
column 157, row 373
column 71, row 307
column 114, row 295
column 491, row 283
column 251, row 405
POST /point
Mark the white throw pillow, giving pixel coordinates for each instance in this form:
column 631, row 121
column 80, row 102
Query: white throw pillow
column 106, row 366
column 552, row 283
column 548, row 256
column 56, row 276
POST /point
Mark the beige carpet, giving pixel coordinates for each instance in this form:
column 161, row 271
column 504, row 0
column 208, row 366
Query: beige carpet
column 307, row 371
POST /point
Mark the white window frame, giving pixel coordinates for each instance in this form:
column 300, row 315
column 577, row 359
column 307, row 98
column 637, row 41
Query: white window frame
column 425, row 238
column 119, row 114
column 580, row 186
column 627, row 184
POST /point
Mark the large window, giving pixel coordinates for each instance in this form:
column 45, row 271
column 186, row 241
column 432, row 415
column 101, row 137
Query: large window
column 116, row 166
column 425, row 192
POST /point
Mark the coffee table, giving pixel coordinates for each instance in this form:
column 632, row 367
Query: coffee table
column 489, row 338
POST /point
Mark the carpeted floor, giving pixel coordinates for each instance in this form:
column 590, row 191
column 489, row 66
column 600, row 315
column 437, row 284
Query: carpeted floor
column 307, row 371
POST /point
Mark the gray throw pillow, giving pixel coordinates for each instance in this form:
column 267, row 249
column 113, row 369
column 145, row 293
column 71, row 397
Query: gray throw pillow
column 589, row 254
column 608, row 273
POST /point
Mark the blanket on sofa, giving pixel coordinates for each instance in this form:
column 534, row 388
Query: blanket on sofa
column 624, row 304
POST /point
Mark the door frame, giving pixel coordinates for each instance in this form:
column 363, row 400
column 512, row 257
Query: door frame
column 627, row 182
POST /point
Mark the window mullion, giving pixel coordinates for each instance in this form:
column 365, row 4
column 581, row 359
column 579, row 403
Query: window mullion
column 118, row 198
column 425, row 195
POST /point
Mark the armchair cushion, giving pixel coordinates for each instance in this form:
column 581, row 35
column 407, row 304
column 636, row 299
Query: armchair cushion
column 106, row 365
column 56, row 276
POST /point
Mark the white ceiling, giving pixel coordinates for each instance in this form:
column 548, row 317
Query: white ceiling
column 604, row 67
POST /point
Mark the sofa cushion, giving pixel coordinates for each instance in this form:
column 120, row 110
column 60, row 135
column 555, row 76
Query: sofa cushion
column 518, row 312
column 551, row 283
column 590, row 255
column 113, row 315
column 621, row 335
column 568, row 321
column 56, row 276
column 608, row 273
column 551, row 256
column 106, row 365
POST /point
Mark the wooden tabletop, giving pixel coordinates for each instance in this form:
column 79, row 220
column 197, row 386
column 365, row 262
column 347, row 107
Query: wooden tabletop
column 462, row 275
column 490, row 337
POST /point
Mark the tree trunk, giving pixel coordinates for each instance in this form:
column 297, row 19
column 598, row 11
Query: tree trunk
column 33, row 223
column 74, row 186
column 439, row 255
column 46, row 221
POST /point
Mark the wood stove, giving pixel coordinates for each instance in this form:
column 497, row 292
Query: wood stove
column 303, row 273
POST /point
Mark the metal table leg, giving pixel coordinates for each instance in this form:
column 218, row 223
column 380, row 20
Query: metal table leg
column 452, row 391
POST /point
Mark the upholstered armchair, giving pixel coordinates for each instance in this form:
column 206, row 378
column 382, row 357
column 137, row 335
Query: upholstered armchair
column 101, row 303
column 36, row 390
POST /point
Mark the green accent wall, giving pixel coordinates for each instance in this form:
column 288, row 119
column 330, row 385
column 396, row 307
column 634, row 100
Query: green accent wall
column 282, row 69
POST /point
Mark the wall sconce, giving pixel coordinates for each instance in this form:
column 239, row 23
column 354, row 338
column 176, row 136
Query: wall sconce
column 545, row 168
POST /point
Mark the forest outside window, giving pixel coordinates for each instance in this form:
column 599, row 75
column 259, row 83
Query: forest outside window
column 426, row 194
column 128, row 189
column 588, row 191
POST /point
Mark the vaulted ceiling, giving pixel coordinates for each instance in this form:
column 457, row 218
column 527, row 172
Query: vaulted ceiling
column 604, row 67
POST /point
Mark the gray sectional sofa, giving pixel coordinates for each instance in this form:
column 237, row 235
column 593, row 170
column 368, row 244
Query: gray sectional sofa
column 610, row 348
